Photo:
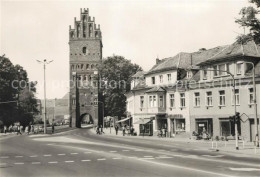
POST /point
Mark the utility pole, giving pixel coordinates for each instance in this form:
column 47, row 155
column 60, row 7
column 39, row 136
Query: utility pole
column 44, row 62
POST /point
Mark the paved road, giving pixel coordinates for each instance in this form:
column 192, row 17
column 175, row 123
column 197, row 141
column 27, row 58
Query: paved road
column 81, row 153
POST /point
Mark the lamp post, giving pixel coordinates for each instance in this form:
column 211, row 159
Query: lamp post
column 255, row 103
column 234, row 94
column 102, row 112
column 44, row 62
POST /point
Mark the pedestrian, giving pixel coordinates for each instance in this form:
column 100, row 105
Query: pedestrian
column 123, row 129
column 52, row 128
column 97, row 130
column 19, row 130
column 116, row 128
column 32, row 129
column 26, row 130
column 5, row 129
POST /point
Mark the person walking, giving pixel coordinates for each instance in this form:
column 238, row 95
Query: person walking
column 52, row 129
column 123, row 130
column 19, row 130
column 116, row 128
column 5, row 129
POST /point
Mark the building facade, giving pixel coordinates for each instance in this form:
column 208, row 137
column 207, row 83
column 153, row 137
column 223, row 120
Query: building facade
column 193, row 92
column 85, row 43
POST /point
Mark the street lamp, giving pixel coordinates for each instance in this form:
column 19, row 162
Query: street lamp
column 255, row 104
column 44, row 62
column 235, row 107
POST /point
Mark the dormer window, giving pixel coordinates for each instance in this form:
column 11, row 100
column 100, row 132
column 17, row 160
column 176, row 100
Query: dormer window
column 169, row 77
column 205, row 74
column 189, row 74
column 239, row 68
column 161, row 78
column 153, row 80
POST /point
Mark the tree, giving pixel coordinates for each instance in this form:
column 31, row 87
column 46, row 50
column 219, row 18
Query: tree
column 14, row 86
column 249, row 20
column 116, row 72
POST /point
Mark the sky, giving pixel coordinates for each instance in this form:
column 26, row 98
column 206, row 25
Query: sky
column 139, row 30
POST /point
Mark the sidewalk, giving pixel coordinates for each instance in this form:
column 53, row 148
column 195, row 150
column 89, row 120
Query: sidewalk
column 246, row 148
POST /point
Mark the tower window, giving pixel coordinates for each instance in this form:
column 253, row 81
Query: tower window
column 92, row 66
column 87, row 66
column 84, row 50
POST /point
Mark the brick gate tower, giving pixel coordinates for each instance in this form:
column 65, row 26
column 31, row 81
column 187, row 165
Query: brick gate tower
column 85, row 42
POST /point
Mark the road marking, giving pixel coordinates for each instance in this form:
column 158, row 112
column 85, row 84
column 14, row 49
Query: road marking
column 245, row 169
column 35, row 163
column 61, row 154
column 33, row 156
column 47, row 155
column 178, row 155
column 69, row 161
column 132, row 157
column 73, row 153
column 148, row 156
column 19, row 163
column 18, row 156
column 125, row 150
column 4, row 157
column 101, row 159
column 85, row 160
column 117, row 158
column 161, row 150
column 164, row 157
column 213, row 156
column 186, row 168
column 87, row 152
column 112, row 151
column 2, row 164
column 139, row 150
column 53, row 162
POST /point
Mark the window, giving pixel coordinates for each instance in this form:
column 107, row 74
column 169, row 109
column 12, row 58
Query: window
column 182, row 99
column 161, row 101
column 205, row 74
column 153, row 80
column 87, row 66
column 172, row 101
column 222, row 68
column 180, row 124
column 161, row 78
column 141, row 101
column 72, row 67
column 189, row 74
column 84, row 50
column 228, row 68
column 239, row 68
column 152, row 101
column 209, row 98
column 222, row 99
column 169, row 77
column 92, row 66
column 81, row 66
column 73, row 101
column 197, row 99
column 236, row 96
column 251, row 95
column 215, row 68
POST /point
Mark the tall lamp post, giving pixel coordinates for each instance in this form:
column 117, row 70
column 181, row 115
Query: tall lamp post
column 234, row 94
column 255, row 103
column 44, row 62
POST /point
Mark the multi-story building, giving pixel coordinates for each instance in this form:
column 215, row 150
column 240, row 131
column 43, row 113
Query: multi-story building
column 177, row 95
column 85, row 42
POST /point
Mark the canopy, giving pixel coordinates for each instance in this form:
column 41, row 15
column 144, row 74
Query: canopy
column 143, row 121
column 122, row 120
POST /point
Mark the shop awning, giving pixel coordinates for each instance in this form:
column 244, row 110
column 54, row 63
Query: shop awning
column 125, row 119
column 143, row 120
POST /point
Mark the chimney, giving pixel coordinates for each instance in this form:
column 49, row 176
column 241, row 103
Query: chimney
column 158, row 60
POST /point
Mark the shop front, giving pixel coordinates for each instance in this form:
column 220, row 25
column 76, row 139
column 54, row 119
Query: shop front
column 177, row 124
column 145, row 126
column 227, row 127
column 204, row 124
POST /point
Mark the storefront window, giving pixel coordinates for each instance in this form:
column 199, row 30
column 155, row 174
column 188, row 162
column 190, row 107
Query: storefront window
column 180, row 124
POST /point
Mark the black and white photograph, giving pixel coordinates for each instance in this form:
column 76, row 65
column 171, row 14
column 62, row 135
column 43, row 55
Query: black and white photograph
column 129, row 88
